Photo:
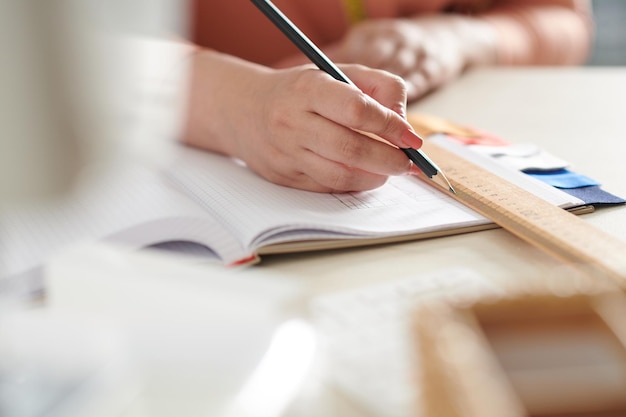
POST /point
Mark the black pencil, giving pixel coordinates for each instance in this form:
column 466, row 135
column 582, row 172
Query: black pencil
column 427, row 166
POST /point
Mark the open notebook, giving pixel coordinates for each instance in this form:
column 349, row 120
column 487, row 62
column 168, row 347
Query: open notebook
column 217, row 202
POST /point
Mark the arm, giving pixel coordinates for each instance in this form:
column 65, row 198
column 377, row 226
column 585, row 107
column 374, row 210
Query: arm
column 530, row 32
column 541, row 32
column 295, row 126
column 430, row 50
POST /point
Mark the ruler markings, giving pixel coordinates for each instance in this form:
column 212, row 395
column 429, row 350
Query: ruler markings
column 542, row 224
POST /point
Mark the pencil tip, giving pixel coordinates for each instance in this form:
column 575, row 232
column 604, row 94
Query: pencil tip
column 446, row 182
column 440, row 179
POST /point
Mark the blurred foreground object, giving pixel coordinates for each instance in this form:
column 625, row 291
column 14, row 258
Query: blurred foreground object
column 82, row 82
column 50, row 103
column 73, row 82
column 145, row 334
column 535, row 354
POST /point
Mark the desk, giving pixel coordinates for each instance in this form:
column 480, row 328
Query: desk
column 575, row 113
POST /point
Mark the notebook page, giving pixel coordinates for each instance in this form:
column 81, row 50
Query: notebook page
column 128, row 205
column 258, row 212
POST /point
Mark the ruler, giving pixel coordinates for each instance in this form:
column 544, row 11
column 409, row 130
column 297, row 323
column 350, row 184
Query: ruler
column 544, row 225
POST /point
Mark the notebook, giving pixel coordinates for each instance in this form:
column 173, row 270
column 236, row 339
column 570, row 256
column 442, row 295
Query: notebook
column 213, row 203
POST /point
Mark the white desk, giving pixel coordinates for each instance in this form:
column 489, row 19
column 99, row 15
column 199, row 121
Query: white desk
column 576, row 114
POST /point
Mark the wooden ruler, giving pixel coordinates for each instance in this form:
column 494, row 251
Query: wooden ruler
column 548, row 227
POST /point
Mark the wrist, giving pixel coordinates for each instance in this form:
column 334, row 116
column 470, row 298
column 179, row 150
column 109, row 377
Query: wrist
column 223, row 88
column 205, row 122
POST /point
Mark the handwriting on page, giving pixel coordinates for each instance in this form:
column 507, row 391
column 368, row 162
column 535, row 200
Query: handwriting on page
column 394, row 193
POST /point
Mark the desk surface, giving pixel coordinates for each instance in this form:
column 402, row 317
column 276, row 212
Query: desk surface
column 574, row 113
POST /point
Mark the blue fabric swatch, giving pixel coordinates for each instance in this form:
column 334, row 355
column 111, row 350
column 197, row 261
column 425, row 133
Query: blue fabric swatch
column 563, row 178
column 594, row 195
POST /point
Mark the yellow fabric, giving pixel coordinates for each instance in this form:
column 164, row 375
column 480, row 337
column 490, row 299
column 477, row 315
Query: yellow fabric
column 355, row 10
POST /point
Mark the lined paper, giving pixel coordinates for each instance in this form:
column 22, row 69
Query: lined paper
column 128, row 205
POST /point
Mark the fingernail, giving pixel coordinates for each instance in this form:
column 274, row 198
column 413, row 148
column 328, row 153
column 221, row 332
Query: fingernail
column 413, row 170
column 411, row 140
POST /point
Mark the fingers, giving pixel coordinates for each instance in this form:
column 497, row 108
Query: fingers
column 417, row 85
column 376, row 52
column 353, row 149
column 426, row 52
column 404, row 60
column 331, row 176
column 309, row 171
column 351, row 160
column 325, row 156
column 351, row 108
column 303, row 129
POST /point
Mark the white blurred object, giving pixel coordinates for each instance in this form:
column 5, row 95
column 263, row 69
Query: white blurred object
column 77, row 78
column 280, row 374
column 39, row 148
column 64, row 72
column 522, row 156
column 82, row 82
column 60, row 365
column 194, row 334
column 366, row 340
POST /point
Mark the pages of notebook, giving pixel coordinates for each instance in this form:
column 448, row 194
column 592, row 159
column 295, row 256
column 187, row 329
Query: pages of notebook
column 129, row 204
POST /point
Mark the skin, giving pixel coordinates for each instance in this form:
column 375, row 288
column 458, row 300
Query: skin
column 426, row 51
column 300, row 125
column 301, row 128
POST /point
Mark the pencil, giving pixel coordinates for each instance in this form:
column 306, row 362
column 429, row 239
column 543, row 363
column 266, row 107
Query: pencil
column 425, row 164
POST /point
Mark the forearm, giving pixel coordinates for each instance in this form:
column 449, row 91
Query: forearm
column 541, row 32
column 219, row 85
column 477, row 39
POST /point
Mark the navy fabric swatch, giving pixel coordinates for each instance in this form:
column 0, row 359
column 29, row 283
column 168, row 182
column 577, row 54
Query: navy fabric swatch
column 594, row 195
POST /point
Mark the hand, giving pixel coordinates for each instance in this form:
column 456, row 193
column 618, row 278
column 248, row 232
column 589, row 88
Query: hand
column 297, row 127
column 426, row 52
